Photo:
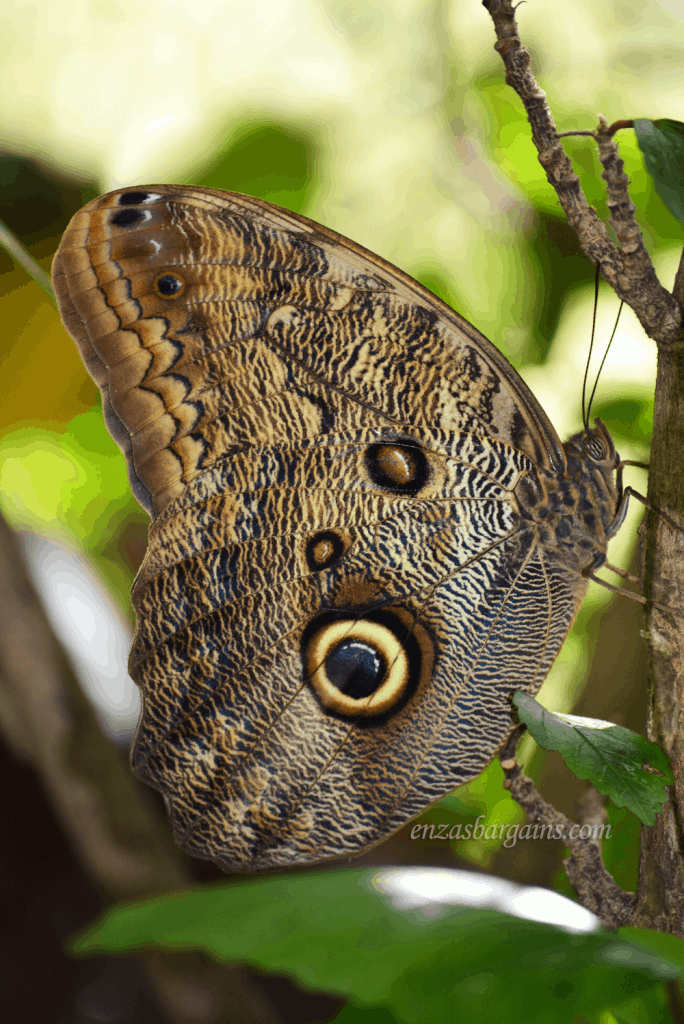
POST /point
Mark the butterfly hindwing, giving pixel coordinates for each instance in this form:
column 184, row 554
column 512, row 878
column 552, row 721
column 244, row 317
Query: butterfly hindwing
column 330, row 609
column 257, row 769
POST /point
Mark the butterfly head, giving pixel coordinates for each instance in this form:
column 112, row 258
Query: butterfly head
column 595, row 448
column 592, row 460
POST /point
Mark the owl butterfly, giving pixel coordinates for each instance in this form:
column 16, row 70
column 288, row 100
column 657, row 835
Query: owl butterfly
column 365, row 531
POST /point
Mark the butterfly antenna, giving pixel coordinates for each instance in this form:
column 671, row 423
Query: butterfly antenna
column 605, row 354
column 585, row 414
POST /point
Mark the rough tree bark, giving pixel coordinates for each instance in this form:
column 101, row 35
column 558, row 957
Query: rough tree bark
column 628, row 269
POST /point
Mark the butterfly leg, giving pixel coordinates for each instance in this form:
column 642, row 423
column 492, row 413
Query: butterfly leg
column 622, row 572
column 623, row 504
column 625, row 493
column 601, row 561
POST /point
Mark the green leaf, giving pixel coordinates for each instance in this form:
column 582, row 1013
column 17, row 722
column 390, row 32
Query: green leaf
column 647, row 1008
column 622, row 765
column 668, row 946
column 354, row 1014
column 333, row 931
column 662, row 145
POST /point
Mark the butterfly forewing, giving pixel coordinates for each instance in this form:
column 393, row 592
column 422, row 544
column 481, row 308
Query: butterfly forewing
column 344, row 583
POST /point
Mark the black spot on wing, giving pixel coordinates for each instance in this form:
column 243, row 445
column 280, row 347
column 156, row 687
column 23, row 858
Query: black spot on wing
column 355, row 668
column 124, row 218
column 133, row 198
column 169, row 285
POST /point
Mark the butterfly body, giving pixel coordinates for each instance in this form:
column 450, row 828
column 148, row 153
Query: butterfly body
column 366, row 533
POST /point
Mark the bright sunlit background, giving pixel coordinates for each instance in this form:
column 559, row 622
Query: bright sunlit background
column 389, row 122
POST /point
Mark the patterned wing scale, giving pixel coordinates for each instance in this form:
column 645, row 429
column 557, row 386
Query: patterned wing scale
column 212, row 321
column 357, row 550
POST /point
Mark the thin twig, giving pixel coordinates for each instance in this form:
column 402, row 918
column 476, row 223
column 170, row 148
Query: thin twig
column 585, row 869
column 637, row 266
column 616, row 126
column 18, row 251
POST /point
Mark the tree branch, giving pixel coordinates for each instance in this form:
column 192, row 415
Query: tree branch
column 628, row 269
column 585, row 869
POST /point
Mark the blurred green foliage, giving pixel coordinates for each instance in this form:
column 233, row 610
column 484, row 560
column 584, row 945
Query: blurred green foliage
column 483, row 799
column 36, row 201
column 621, row 852
column 628, row 418
column 334, row 931
column 352, row 1013
column 268, row 160
column 72, row 485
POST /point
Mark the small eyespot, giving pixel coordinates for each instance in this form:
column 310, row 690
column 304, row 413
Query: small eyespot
column 124, row 218
column 595, row 447
column 324, row 549
column 401, row 468
column 169, row 286
column 133, row 198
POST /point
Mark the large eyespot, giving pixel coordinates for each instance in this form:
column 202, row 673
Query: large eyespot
column 401, row 468
column 357, row 667
column 324, row 549
column 169, row 286
column 596, row 447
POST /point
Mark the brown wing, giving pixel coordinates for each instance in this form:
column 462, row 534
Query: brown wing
column 212, row 321
column 264, row 764
column 339, row 593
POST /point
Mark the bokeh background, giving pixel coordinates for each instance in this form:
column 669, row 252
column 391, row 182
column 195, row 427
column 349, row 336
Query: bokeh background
column 391, row 123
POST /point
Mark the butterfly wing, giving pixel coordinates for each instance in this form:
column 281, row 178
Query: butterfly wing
column 339, row 593
column 278, row 324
